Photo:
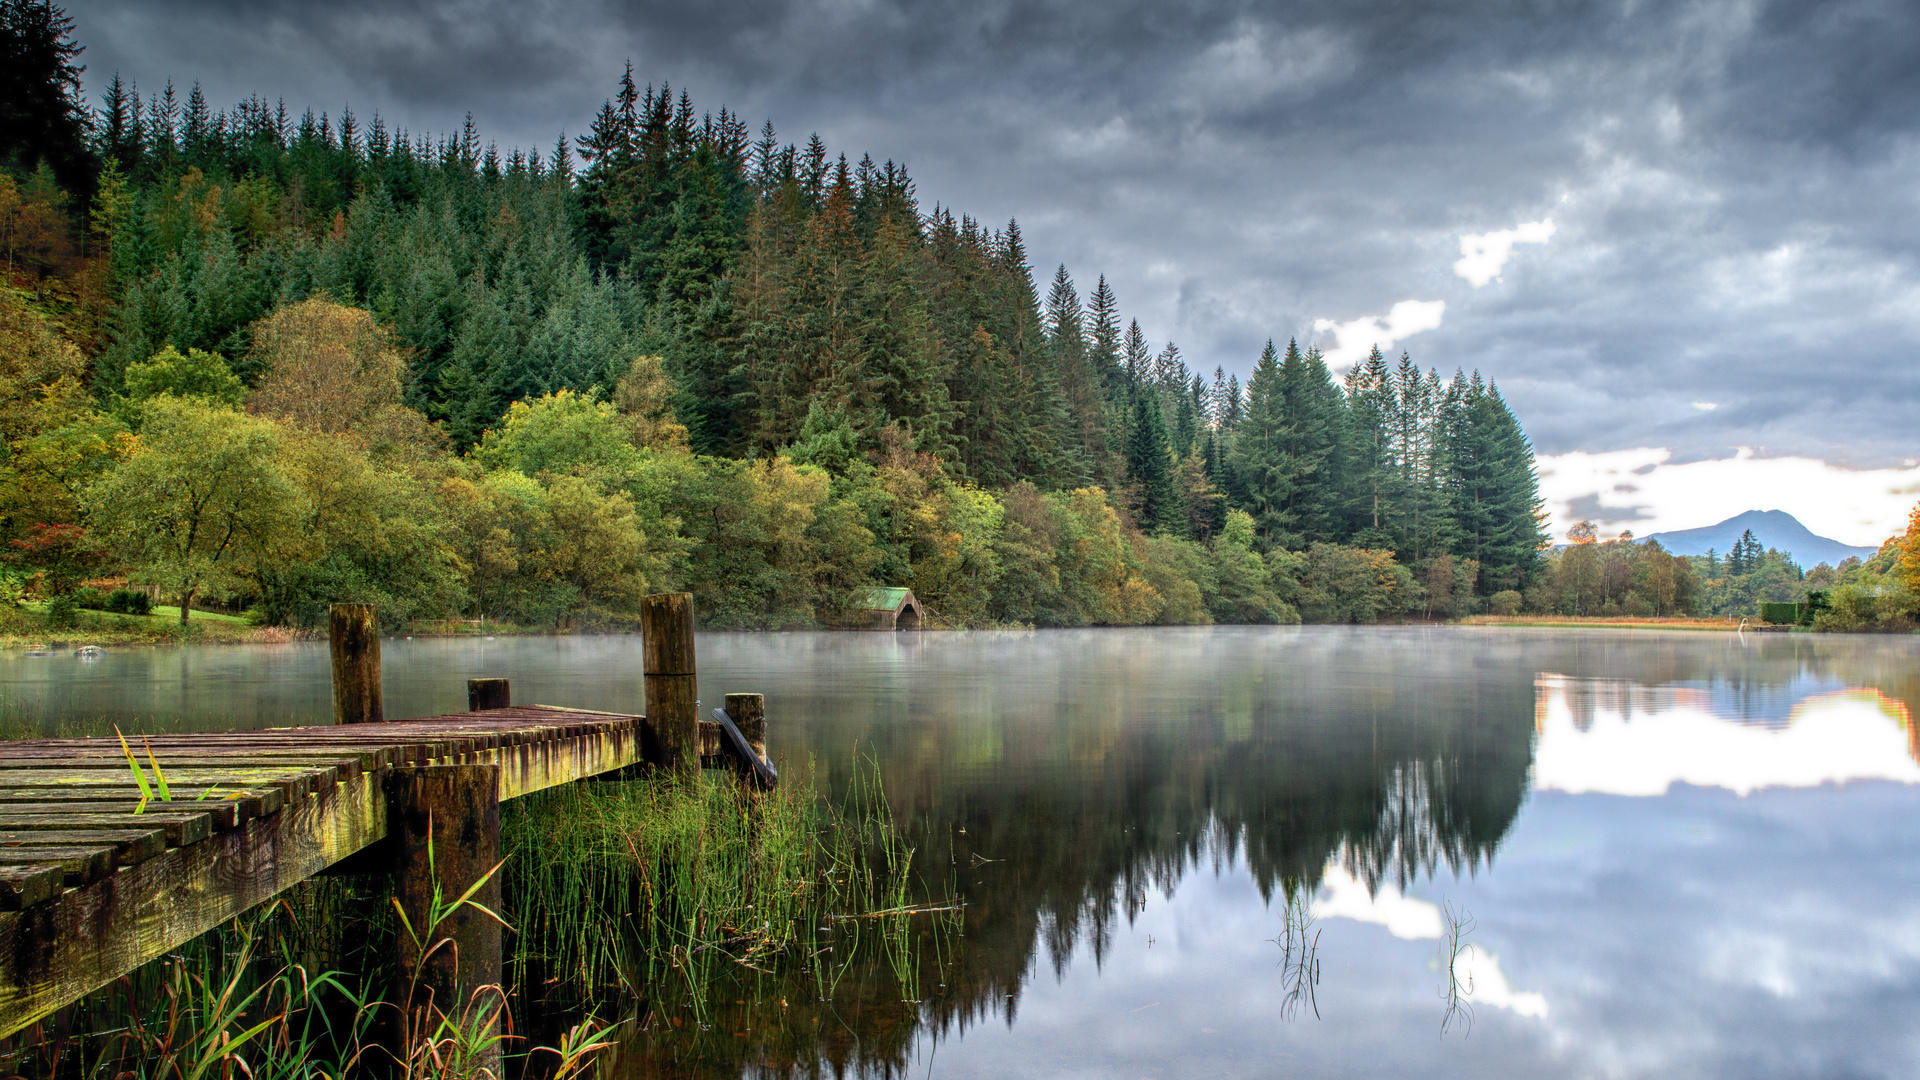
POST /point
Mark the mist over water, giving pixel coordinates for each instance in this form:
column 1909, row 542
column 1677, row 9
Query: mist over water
column 1648, row 854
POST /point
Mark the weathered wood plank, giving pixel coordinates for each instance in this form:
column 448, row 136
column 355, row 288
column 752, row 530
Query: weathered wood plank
column 130, row 846
column 29, row 884
column 286, row 803
column 55, row 953
column 181, row 829
column 78, row 865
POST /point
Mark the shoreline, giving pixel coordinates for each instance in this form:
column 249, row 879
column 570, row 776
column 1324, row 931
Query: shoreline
column 122, row 631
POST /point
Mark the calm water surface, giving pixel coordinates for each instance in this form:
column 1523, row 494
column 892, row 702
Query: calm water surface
column 1654, row 854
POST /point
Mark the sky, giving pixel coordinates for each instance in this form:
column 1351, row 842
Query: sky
column 1680, row 232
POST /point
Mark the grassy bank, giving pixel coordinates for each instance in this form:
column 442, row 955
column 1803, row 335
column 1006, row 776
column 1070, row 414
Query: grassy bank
column 27, row 626
column 1617, row 622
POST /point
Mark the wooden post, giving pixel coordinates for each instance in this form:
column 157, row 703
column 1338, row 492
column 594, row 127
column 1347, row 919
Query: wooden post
column 749, row 712
column 446, row 824
column 666, row 643
column 353, row 636
column 488, row 694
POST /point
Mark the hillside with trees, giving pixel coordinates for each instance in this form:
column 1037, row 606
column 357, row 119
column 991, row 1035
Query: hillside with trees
column 262, row 361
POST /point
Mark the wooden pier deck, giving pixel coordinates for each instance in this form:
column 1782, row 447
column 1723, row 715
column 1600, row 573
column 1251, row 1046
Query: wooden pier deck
column 92, row 885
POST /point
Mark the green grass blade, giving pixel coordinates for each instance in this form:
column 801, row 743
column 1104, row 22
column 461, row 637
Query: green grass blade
column 139, row 774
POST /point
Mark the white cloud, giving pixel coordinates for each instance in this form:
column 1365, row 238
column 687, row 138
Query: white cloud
column 1854, row 506
column 1483, row 254
column 1343, row 896
column 1706, row 406
column 1676, row 738
column 1353, row 339
column 1479, row 971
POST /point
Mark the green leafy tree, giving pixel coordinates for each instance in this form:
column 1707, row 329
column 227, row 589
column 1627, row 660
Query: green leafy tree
column 201, row 501
column 197, row 374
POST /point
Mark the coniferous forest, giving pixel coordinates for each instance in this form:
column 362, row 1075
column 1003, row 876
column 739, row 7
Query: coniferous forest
column 264, row 358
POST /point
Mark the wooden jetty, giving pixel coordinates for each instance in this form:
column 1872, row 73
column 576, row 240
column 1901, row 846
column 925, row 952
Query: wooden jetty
column 95, row 883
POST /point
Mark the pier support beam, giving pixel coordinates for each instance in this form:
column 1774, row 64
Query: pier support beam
column 445, row 825
column 488, row 694
column 353, row 637
column 749, row 713
column 666, row 627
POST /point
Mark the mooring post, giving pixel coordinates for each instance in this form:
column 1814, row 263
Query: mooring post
column 353, row 637
column 749, row 712
column 666, row 644
column 488, row 694
column 446, row 824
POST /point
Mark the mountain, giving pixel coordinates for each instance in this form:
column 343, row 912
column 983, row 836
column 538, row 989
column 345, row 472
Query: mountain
column 1774, row 528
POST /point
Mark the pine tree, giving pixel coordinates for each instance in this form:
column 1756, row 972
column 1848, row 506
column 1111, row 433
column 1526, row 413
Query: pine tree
column 1258, row 460
column 1372, row 416
column 1079, row 386
column 1497, row 503
column 1313, row 423
column 1150, row 466
column 42, row 117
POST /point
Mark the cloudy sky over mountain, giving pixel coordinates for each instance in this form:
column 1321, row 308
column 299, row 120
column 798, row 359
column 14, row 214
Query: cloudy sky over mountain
column 1675, row 228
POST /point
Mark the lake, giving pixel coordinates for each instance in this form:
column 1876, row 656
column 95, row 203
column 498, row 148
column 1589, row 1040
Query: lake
column 1250, row 852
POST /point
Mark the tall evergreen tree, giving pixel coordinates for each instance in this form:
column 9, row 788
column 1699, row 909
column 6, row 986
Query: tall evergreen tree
column 1150, row 465
column 1372, row 416
column 1258, row 460
column 1313, row 421
column 42, row 118
column 1079, row 385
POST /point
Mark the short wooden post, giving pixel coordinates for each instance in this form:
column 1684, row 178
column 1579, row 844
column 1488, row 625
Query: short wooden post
column 666, row 643
column 488, row 694
column 446, row 821
column 353, row 637
column 749, row 712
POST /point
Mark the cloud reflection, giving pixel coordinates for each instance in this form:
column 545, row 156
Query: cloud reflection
column 1479, row 971
column 1644, row 741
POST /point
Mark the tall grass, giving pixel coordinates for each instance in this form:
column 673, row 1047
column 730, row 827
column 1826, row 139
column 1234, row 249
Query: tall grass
column 652, row 884
column 707, row 914
column 661, row 901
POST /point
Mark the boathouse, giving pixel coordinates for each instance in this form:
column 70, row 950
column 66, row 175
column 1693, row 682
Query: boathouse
column 894, row 609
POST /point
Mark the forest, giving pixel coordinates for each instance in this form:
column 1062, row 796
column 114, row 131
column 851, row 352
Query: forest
column 258, row 361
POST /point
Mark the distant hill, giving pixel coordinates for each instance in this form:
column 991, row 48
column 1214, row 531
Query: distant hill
column 1774, row 528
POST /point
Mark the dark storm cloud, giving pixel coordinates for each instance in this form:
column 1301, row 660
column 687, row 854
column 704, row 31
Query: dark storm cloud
column 1732, row 184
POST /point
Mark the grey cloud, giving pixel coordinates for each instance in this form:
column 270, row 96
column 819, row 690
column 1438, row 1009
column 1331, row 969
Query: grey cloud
column 1589, row 508
column 1732, row 181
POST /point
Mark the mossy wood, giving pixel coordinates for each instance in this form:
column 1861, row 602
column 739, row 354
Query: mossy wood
column 488, row 694
column 353, row 638
column 749, row 713
column 90, row 889
column 446, row 825
column 751, row 766
column 666, row 646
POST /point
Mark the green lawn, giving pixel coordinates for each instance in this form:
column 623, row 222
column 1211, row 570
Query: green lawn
column 26, row 624
column 172, row 614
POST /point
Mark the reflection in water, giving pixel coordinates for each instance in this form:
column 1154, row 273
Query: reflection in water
column 1622, row 738
column 1214, row 788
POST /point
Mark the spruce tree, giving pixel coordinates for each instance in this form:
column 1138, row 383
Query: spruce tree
column 1150, row 466
column 42, row 116
column 1258, row 461
column 1372, row 412
column 1079, row 386
column 1311, row 414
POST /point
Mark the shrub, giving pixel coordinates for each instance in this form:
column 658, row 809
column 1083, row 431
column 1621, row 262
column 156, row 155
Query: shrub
column 1779, row 613
column 87, row 596
column 1504, row 602
column 62, row 610
column 129, row 602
